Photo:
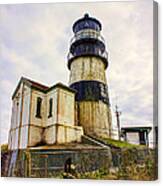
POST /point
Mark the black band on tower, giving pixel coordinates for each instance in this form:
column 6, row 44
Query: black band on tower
column 91, row 91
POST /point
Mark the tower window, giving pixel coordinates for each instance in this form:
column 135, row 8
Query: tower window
column 50, row 107
column 38, row 109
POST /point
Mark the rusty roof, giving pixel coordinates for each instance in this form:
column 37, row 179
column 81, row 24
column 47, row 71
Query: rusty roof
column 40, row 86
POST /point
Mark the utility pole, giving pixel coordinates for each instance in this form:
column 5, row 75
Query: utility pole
column 118, row 113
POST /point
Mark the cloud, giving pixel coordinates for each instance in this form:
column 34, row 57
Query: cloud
column 35, row 42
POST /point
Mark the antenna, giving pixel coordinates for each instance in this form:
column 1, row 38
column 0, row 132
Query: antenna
column 118, row 113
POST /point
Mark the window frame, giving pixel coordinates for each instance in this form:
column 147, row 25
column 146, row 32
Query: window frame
column 38, row 107
column 50, row 108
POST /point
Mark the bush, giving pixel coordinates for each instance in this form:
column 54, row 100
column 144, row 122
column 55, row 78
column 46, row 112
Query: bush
column 4, row 148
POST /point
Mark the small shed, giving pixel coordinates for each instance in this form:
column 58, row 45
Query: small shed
column 136, row 135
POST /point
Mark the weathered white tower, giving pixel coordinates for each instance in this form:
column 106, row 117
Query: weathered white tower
column 87, row 62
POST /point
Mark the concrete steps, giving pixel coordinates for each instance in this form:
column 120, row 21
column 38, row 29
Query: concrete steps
column 94, row 141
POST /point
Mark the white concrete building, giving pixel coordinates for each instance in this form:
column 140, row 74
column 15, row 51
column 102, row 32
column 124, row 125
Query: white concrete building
column 42, row 115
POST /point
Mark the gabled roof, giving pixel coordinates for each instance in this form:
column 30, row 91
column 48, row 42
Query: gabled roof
column 61, row 85
column 40, row 87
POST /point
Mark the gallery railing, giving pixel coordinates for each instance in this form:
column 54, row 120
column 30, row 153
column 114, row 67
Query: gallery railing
column 86, row 34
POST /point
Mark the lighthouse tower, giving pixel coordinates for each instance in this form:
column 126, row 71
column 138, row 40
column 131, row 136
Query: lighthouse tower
column 87, row 62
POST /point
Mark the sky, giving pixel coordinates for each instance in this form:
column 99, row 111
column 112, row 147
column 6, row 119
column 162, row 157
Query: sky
column 34, row 43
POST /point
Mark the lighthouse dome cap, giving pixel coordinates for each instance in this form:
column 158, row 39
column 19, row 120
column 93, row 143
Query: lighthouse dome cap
column 86, row 22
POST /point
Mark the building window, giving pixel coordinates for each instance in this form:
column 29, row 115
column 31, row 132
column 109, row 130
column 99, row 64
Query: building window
column 50, row 107
column 38, row 109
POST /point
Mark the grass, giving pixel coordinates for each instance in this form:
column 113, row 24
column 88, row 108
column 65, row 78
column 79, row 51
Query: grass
column 120, row 144
column 4, row 148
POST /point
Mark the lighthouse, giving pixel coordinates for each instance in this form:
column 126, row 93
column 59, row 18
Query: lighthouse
column 87, row 62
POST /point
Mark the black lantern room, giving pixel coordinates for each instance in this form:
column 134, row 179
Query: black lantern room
column 87, row 40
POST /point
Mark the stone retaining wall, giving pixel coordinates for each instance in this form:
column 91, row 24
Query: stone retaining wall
column 51, row 163
column 126, row 163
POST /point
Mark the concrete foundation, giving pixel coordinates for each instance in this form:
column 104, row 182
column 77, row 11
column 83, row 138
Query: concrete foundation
column 51, row 161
